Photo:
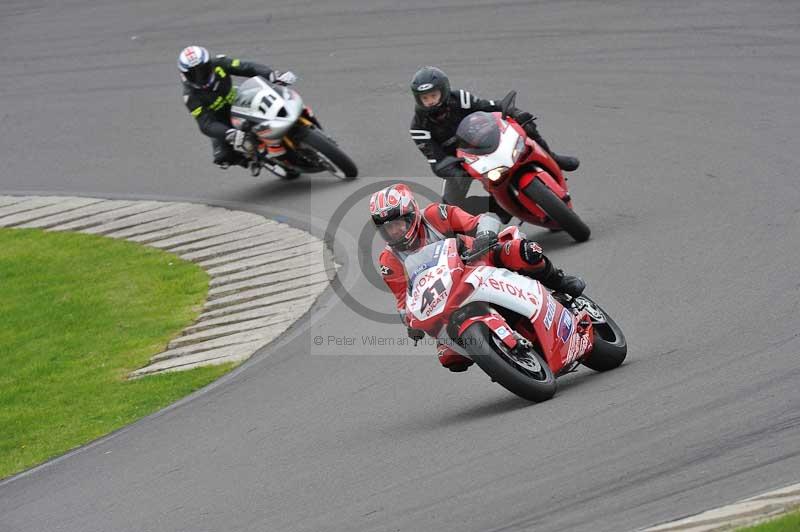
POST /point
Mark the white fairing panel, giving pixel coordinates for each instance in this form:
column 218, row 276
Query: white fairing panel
column 506, row 289
column 431, row 282
column 277, row 108
column 502, row 156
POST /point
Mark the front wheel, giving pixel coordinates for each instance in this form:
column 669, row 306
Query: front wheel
column 557, row 210
column 524, row 374
column 331, row 157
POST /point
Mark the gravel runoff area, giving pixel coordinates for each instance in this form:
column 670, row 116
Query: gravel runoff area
column 264, row 274
column 743, row 513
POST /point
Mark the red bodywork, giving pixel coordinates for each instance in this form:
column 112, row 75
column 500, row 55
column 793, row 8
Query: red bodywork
column 534, row 163
column 560, row 336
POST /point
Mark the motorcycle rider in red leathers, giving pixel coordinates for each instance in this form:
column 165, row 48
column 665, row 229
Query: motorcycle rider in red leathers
column 406, row 228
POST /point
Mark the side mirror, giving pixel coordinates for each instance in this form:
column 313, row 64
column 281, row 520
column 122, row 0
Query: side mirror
column 507, row 103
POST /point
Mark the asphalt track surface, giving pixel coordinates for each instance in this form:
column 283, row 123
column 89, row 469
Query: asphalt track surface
column 685, row 115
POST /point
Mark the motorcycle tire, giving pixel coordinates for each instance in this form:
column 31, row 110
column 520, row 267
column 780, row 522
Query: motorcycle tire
column 610, row 347
column 557, row 210
column 497, row 361
column 315, row 140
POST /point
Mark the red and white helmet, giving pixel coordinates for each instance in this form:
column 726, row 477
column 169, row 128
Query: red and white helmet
column 194, row 62
column 397, row 216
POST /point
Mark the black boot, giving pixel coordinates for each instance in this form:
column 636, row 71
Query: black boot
column 565, row 284
column 565, row 162
column 558, row 281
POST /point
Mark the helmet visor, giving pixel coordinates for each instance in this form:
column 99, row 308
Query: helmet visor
column 430, row 99
column 200, row 75
column 396, row 231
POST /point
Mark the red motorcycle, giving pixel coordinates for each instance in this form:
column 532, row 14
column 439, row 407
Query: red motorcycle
column 494, row 149
column 517, row 331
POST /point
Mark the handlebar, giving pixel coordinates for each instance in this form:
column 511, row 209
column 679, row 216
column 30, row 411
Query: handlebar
column 472, row 255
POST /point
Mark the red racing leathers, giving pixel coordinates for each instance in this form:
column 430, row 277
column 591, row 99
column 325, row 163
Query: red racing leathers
column 440, row 221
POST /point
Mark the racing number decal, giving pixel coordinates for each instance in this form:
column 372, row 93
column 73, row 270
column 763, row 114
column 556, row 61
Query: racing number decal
column 266, row 102
column 431, row 294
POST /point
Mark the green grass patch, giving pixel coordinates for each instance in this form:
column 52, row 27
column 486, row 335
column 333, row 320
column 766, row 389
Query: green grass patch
column 787, row 523
column 77, row 314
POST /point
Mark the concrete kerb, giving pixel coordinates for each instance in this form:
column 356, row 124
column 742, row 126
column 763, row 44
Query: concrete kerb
column 747, row 512
column 264, row 274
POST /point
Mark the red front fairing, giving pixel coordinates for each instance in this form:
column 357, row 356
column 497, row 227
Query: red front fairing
column 535, row 163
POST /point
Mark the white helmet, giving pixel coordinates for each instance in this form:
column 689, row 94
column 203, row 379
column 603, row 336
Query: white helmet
column 194, row 62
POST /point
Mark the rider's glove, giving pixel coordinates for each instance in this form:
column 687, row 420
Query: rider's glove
column 530, row 252
column 415, row 334
column 484, row 240
column 453, row 171
column 239, row 140
column 284, row 78
column 522, row 117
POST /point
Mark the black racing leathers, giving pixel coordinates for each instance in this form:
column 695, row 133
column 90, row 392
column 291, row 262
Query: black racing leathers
column 212, row 107
column 431, row 133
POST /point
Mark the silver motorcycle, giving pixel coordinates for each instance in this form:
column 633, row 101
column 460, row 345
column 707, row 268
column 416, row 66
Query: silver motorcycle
column 285, row 136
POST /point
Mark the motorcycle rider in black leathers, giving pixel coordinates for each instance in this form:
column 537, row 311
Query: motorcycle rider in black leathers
column 209, row 92
column 437, row 114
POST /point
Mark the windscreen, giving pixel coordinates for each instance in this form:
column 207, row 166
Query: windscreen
column 478, row 133
column 249, row 90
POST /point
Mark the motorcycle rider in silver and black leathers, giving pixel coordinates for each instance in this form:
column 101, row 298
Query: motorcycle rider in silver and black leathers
column 436, row 121
column 208, row 92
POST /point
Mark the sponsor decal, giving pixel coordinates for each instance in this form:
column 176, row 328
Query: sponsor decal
column 443, row 211
column 502, row 332
column 565, row 325
column 385, row 270
column 514, row 290
column 577, row 345
column 425, row 87
column 551, row 312
column 507, row 248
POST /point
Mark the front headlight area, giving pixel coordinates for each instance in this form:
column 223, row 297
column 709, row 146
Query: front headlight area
column 495, row 174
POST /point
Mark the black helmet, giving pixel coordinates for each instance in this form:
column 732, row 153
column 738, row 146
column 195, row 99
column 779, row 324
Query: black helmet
column 428, row 79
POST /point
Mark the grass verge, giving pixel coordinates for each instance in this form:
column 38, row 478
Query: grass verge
column 77, row 314
column 787, row 523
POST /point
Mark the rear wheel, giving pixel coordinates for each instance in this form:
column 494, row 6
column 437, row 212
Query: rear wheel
column 610, row 347
column 331, row 157
column 557, row 210
column 525, row 374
